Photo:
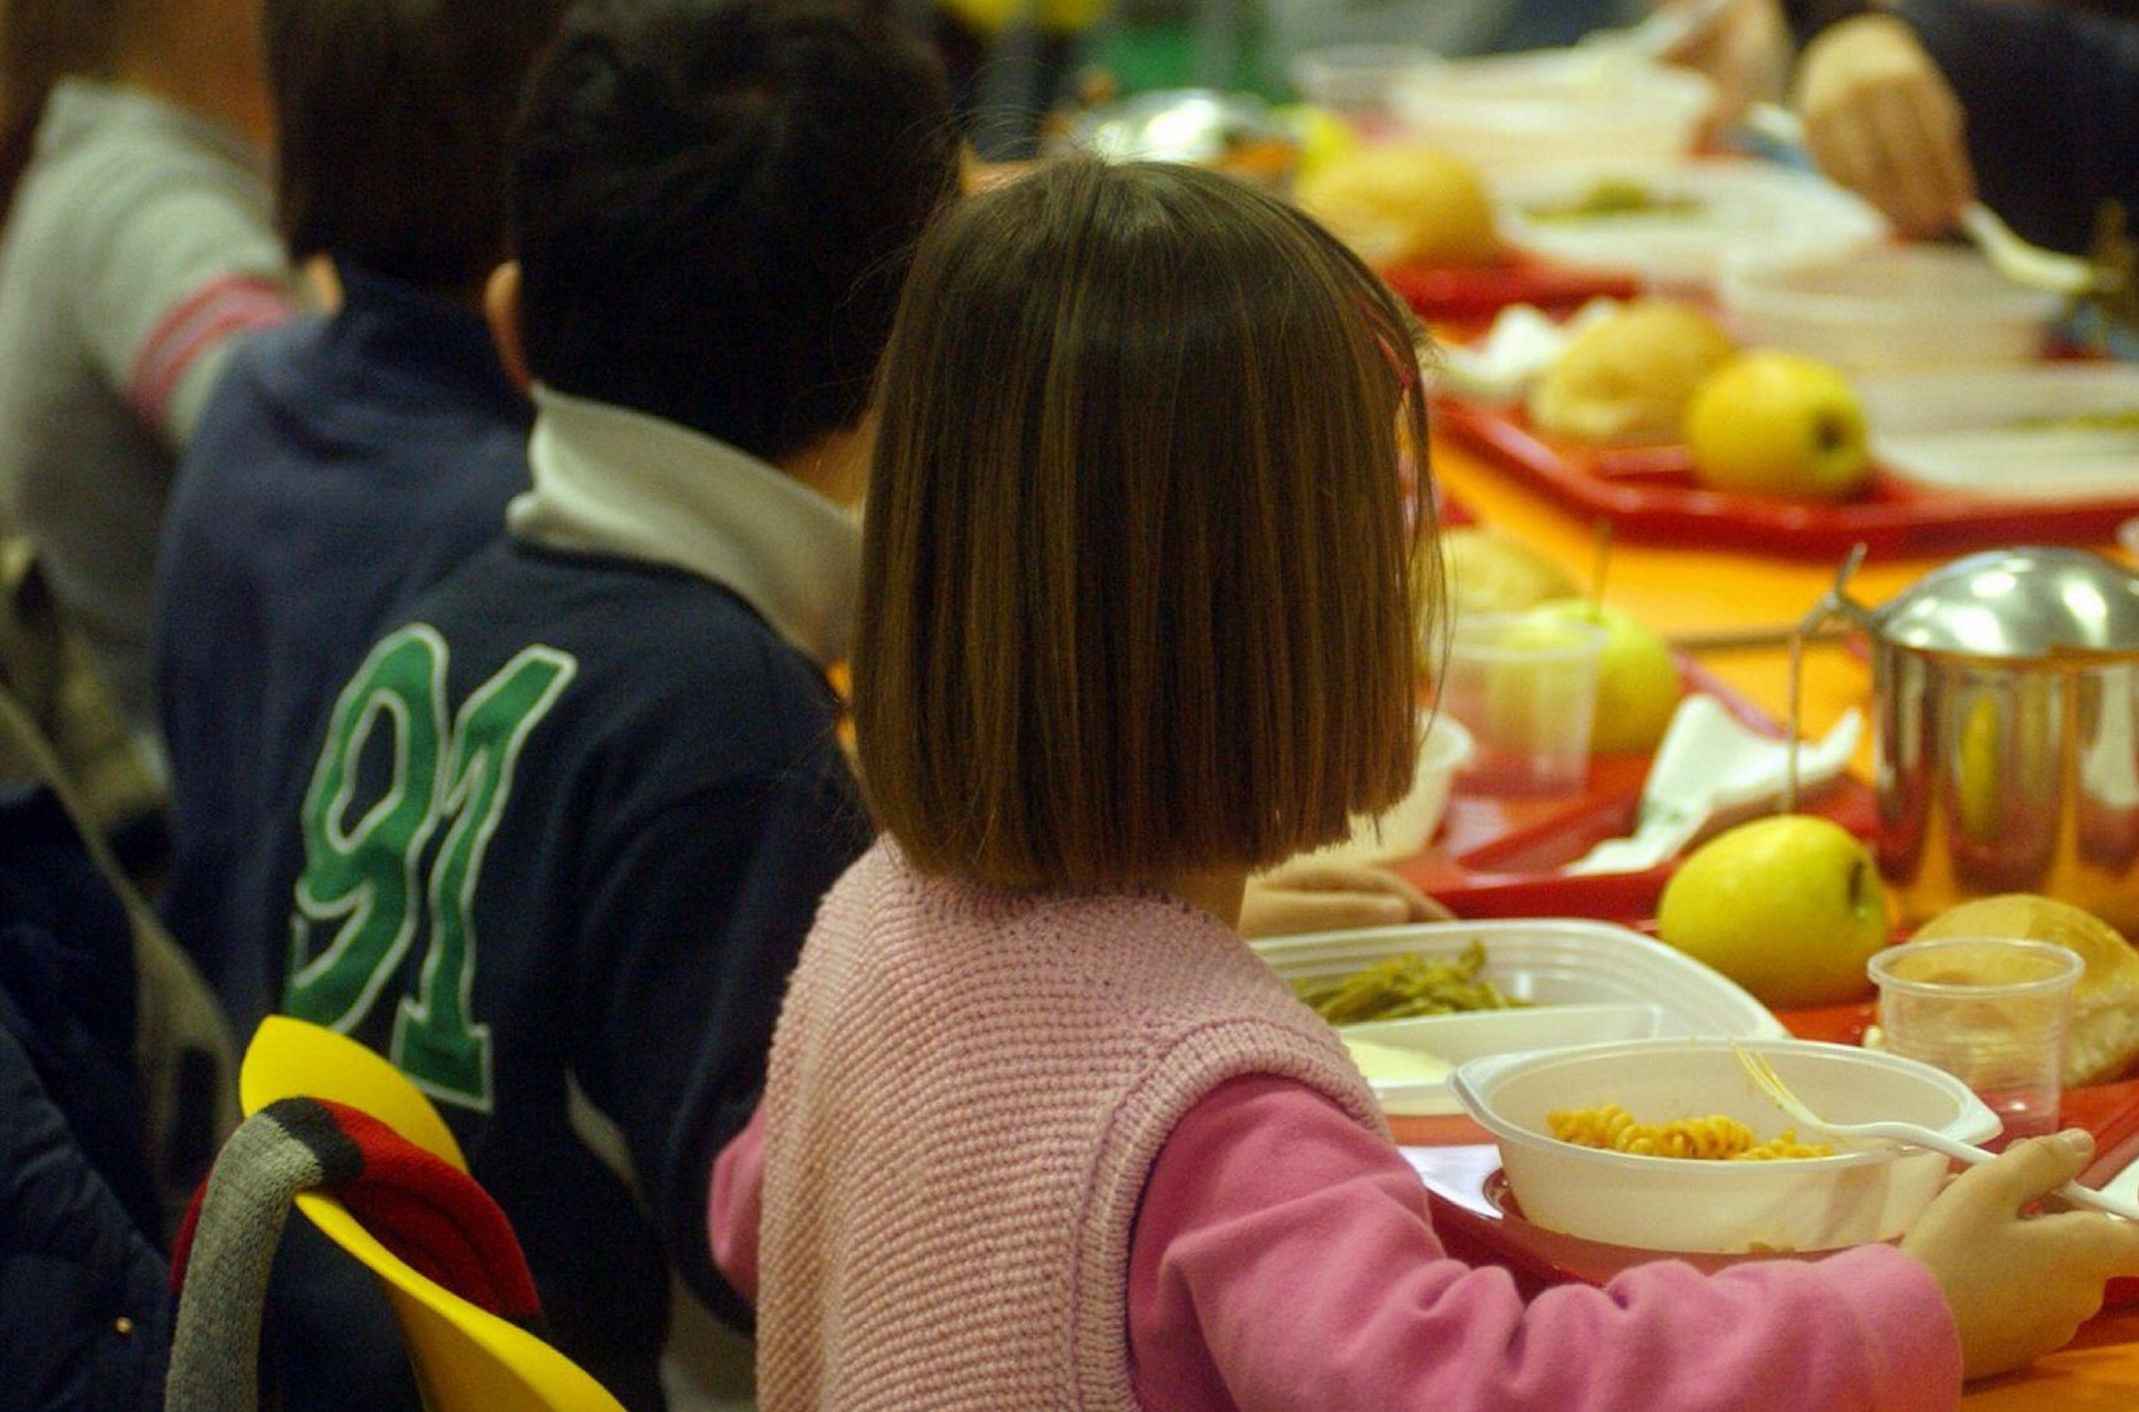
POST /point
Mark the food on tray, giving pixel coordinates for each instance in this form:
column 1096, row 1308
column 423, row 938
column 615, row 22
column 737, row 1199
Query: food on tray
column 1612, row 197
column 1638, row 685
column 1406, row 985
column 1790, row 907
column 1718, row 1139
column 1403, row 204
column 1386, row 1063
column 2104, row 1036
column 1774, row 423
column 1627, row 380
column 1491, row 573
column 2125, row 419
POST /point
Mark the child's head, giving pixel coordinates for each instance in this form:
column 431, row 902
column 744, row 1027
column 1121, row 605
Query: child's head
column 713, row 205
column 393, row 119
column 41, row 42
column 1138, row 562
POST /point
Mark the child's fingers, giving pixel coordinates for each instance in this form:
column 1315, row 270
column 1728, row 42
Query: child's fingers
column 1312, row 875
column 2024, row 1173
column 2094, row 1246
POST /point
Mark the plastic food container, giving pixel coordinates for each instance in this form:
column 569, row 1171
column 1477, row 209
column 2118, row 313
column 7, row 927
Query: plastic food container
column 1695, row 219
column 1405, row 829
column 1357, row 79
column 1582, row 980
column 1893, row 309
column 1662, row 1203
column 2060, row 431
column 1556, row 108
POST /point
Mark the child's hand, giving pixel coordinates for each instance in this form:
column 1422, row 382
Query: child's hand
column 2020, row 1286
column 1309, row 896
column 1882, row 120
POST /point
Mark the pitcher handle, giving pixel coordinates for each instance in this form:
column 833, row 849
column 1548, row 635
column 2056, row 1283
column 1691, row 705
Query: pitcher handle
column 1834, row 607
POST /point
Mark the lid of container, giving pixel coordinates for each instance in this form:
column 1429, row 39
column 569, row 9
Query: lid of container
column 2021, row 603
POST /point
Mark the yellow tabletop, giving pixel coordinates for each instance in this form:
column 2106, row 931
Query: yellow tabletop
column 1682, row 591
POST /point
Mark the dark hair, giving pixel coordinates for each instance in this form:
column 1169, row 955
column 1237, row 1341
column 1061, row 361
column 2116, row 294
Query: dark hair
column 394, row 119
column 42, row 42
column 713, row 205
column 1141, row 548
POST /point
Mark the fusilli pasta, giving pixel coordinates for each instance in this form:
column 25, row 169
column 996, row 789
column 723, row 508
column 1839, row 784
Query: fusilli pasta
column 1714, row 1139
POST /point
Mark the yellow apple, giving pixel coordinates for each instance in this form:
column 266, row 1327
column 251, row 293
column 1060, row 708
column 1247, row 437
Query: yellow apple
column 1790, row 907
column 1638, row 685
column 1773, row 423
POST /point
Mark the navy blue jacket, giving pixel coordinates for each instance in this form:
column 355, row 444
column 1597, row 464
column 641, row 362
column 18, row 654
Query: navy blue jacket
column 343, row 466
column 85, row 1317
column 569, row 828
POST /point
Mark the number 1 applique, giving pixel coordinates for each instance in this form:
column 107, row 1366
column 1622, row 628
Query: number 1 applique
column 367, row 880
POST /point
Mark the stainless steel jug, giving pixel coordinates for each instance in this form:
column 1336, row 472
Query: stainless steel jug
column 2006, row 695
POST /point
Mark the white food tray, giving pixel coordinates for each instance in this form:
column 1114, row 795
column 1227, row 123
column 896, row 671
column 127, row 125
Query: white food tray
column 1594, row 967
column 1967, row 431
column 1754, row 211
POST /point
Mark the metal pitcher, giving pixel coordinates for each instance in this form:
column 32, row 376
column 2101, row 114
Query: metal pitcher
column 2006, row 693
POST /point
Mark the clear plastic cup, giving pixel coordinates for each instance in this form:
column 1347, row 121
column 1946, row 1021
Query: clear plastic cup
column 1526, row 689
column 1991, row 1011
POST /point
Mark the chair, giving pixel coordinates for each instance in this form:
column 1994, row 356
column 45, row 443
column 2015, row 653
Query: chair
column 465, row 1358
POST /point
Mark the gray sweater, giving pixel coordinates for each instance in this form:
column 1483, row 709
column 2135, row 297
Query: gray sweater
column 141, row 240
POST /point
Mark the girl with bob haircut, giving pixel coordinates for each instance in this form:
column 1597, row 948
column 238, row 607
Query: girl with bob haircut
column 1041, row 1131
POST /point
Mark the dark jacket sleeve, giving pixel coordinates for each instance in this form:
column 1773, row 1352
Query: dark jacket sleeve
column 85, row 1308
column 1807, row 18
column 702, row 914
column 2052, row 97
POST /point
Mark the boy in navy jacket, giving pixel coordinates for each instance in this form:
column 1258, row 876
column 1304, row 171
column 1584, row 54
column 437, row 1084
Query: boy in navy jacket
column 570, row 817
column 345, row 463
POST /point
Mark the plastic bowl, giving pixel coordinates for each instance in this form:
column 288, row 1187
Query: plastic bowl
column 1406, row 828
column 1555, row 108
column 1662, row 1203
column 1357, row 79
column 1904, row 307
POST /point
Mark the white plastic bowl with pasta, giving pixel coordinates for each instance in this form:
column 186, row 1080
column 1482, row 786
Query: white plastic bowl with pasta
column 1679, row 1204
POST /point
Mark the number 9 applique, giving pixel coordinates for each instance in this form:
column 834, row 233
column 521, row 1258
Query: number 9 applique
column 371, row 883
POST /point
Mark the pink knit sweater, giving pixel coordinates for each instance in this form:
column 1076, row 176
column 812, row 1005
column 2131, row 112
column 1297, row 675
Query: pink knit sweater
column 968, row 1090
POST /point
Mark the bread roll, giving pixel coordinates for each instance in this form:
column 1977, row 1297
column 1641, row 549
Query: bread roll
column 1400, row 203
column 1626, row 380
column 2105, row 1006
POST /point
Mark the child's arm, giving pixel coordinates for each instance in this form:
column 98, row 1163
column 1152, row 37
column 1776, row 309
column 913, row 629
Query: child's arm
column 737, row 1204
column 691, row 935
column 172, row 274
column 1283, row 1259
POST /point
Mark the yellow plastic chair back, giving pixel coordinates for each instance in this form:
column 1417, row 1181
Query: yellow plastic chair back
column 465, row 1358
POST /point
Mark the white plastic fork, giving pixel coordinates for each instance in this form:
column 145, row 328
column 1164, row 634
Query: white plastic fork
column 1779, row 1093
column 2051, row 271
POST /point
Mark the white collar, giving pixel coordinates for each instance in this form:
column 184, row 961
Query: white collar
column 609, row 480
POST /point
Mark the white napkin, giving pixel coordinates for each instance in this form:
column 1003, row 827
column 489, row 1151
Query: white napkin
column 1708, row 765
column 1515, row 352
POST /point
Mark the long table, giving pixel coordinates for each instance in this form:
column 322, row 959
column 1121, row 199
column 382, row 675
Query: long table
column 1680, row 591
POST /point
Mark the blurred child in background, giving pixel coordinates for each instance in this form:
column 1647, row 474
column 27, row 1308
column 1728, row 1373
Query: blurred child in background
column 139, row 246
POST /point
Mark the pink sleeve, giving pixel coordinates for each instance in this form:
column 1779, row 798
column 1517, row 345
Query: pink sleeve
column 1283, row 1260
column 732, row 1211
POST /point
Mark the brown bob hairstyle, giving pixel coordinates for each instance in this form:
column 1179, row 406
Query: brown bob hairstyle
column 1140, row 546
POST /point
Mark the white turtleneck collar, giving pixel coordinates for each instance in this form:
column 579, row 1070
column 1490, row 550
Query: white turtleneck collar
column 609, row 480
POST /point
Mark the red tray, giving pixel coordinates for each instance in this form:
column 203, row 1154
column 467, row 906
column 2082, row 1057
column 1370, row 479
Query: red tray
column 1650, row 493
column 1461, row 295
column 1501, row 857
